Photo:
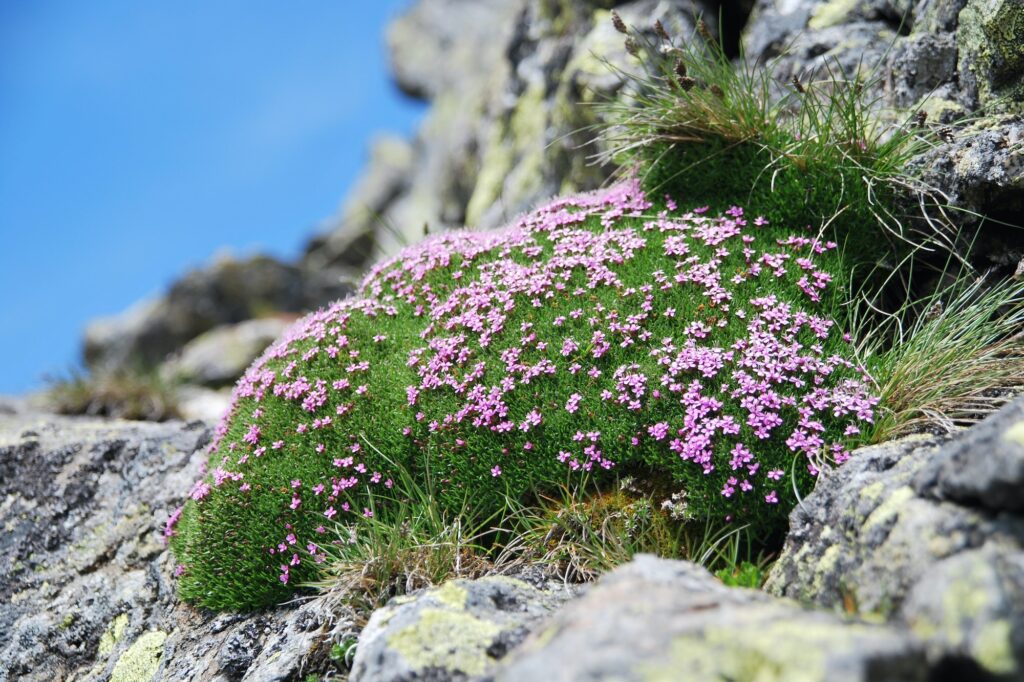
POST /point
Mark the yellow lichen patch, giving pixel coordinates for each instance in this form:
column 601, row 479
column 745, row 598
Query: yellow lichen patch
column 826, row 565
column 872, row 492
column 760, row 652
column 889, row 509
column 1015, row 434
column 430, row 642
column 832, row 13
column 112, row 635
column 142, row 660
column 451, row 595
column 993, row 648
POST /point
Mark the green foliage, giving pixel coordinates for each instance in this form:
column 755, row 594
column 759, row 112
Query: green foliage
column 449, row 329
column 947, row 359
column 411, row 542
column 714, row 131
column 583, row 531
column 120, row 395
column 746, row 574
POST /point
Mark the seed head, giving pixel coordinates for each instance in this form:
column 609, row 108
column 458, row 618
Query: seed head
column 798, row 85
column 704, row 31
column 718, row 92
column 659, row 28
column 632, row 47
column 619, row 24
column 920, row 118
column 687, row 83
column 680, row 69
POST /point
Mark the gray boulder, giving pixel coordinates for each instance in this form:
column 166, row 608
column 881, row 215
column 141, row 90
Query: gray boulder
column 512, row 86
column 226, row 292
column 656, row 619
column 218, row 357
column 351, row 241
column 923, row 533
column 86, row 586
column 459, row 630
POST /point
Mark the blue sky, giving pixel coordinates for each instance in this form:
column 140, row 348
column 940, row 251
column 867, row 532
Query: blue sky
column 139, row 138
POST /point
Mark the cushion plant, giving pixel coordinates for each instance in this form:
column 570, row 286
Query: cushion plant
column 601, row 335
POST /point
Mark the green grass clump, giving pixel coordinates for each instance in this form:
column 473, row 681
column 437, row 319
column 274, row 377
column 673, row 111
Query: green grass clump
column 948, row 359
column 599, row 337
column 803, row 153
column 120, row 394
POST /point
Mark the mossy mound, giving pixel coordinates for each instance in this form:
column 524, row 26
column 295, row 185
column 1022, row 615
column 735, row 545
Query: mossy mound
column 598, row 336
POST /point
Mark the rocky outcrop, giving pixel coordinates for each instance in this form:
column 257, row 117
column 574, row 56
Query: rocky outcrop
column 227, row 292
column 927, row 535
column 219, row 356
column 953, row 60
column 652, row 619
column 86, row 586
column 462, row 628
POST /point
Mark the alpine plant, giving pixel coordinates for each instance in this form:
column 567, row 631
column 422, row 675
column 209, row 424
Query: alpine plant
column 597, row 337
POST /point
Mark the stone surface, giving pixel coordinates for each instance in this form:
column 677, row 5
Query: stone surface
column 86, row 587
column 926, row 534
column 203, row 404
column 226, row 292
column 462, row 629
column 511, row 85
column 980, row 168
column 220, row 356
column 656, row 619
column 982, row 468
column 352, row 240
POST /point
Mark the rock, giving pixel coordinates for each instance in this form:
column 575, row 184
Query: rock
column 350, row 242
column 980, row 168
column 227, row 292
column 86, row 586
column 441, row 45
column 202, row 404
column 82, row 500
column 982, row 468
column 656, row 619
column 885, row 534
column 991, row 42
column 220, row 356
column 967, row 609
column 459, row 630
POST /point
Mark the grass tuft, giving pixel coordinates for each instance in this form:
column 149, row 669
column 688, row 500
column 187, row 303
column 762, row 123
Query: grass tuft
column 120, row 395
column 409, row 543
column 811, row 151
column 949, row 359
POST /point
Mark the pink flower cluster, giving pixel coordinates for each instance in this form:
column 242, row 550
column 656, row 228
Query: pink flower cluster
column 689, row 337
